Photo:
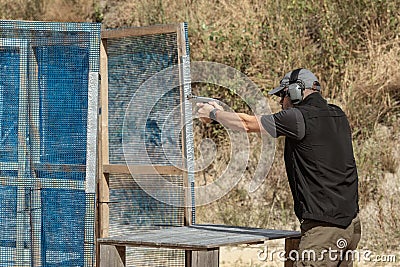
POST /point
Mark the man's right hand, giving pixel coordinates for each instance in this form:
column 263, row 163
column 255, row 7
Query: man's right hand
column 204, row 110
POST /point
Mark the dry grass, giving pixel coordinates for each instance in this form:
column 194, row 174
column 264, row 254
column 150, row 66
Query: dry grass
column 353, row 46
column 48, row 10
column 374, row 107
column 68, row 10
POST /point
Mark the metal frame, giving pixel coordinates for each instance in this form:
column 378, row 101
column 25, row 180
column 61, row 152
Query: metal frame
column 29, row 101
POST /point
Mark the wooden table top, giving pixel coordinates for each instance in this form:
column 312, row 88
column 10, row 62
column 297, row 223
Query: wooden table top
column 198, row 237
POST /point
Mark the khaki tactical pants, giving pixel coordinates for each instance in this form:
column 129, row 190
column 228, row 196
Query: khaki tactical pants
column 323, row 244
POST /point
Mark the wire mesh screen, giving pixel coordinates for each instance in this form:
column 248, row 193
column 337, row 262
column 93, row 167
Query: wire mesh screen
column 154, row 133
column 149, row 257
column 140, row 211
column 47, row 198
column 131, row 62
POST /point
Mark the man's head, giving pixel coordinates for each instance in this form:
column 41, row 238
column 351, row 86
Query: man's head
column 296, row 85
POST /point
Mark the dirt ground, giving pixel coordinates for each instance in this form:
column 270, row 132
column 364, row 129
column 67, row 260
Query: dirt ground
column 254, row 256
column 251, row 256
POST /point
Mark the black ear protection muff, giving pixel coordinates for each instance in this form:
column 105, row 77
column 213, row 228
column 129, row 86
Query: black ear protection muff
column 296, row 87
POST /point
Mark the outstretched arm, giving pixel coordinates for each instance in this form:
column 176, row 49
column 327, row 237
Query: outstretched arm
column 231, row 120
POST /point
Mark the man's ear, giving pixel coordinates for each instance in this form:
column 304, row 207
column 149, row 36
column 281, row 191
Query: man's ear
column 316, row 86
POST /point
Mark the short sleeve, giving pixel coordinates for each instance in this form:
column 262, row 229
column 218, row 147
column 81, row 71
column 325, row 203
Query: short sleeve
column 289, row 123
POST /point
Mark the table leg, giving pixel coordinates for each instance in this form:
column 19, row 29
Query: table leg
column 112, row 256
column 202, row 258
column 291, row 244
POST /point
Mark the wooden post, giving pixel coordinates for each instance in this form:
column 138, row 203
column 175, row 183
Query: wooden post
column 138, row 31
column 291, row 244
column 103, row 154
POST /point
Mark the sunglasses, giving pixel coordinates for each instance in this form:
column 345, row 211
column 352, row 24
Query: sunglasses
column 282, row 93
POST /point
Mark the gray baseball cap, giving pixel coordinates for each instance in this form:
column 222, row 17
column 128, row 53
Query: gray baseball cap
column 308, row 78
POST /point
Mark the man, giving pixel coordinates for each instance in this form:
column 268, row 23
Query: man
column 319, row 163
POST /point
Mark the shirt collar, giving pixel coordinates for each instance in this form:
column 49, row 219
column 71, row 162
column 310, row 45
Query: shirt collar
column 314, row 99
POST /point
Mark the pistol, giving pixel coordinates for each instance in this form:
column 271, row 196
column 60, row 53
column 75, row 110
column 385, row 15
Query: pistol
column 202, row 99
